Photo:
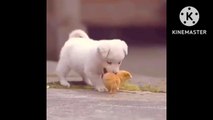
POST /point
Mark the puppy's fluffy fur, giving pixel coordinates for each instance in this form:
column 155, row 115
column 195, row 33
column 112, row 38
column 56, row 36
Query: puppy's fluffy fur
column 88, row 58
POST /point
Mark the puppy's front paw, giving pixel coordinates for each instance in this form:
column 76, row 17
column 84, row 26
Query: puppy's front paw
column 101, row 88
column 64, row 83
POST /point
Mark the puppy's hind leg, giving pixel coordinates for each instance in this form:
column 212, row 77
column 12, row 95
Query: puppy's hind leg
column 62, row 70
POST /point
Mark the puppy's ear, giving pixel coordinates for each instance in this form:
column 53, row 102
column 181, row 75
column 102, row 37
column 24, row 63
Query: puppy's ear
column 103, row 50
column 125, row 47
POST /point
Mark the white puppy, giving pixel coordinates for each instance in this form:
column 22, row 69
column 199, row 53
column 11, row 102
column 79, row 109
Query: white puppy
column 89, row 57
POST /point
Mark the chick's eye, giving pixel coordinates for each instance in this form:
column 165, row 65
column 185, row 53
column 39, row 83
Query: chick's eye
column 109, row 62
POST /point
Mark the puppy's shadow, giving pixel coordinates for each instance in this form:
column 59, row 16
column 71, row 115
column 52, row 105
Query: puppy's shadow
column 77, row 83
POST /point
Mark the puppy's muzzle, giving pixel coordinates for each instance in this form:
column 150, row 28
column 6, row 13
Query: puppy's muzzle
column 105, row 71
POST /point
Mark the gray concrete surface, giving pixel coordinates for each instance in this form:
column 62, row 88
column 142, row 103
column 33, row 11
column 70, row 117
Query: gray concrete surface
column 148, row 61
column 91, row 105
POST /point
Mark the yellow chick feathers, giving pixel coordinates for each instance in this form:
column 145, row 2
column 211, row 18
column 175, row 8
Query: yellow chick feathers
column 111, row 82
column 124, row 76
column 114, row 81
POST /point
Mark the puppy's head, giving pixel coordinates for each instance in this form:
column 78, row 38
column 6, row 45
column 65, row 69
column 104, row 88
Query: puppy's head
column 112, row 53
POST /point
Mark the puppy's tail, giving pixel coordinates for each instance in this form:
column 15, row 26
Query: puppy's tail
column 78, row 33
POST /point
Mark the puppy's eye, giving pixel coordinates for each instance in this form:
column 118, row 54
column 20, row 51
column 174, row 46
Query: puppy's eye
column 109, row 62
column 119, row 62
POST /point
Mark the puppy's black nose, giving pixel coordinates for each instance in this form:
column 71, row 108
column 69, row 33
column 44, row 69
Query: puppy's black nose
column 104, row 70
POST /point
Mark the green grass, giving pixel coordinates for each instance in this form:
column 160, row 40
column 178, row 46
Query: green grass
column 125, row 86
column 57, row 85
column 51, row 75
column 130, row 87
column 151, row 88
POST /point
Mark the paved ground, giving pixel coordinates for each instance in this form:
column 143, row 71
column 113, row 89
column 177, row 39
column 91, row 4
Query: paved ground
column 148, row 66
column 149, row 61
column 91, row 105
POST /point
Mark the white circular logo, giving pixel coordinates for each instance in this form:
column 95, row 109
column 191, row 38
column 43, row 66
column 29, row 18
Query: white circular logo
column 189, row 16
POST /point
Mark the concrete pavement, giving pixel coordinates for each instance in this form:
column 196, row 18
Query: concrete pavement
column 91, row 105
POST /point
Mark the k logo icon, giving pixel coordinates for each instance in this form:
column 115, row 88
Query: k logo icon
column 189, row 16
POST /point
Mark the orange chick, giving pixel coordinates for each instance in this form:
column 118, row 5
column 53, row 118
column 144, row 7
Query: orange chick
column 124, row 76
column 111, row 82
